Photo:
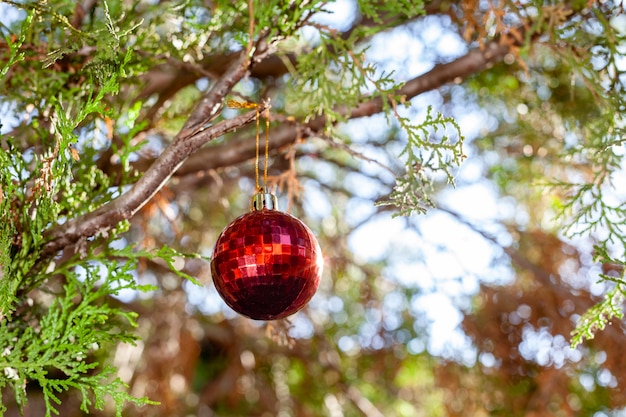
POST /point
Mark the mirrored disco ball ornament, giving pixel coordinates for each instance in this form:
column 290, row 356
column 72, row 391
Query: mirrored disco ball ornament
column 266, row 264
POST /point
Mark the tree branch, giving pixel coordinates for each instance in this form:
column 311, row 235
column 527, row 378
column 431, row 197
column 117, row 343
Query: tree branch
column 197, row 132
column 169, row 78
column 239, row 150
column 194, row 134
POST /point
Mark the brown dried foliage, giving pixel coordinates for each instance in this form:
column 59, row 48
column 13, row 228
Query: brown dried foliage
column 545, row 296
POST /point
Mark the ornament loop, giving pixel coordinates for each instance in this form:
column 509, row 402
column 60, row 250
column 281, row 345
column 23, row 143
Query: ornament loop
column 263, row 200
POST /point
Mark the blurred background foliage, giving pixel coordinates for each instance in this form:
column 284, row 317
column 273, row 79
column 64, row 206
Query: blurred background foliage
column 466, row 309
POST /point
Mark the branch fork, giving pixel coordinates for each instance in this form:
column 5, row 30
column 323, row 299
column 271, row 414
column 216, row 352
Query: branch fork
column 196, row 132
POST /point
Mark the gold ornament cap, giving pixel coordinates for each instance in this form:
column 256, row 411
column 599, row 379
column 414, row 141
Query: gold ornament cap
column 263, row 200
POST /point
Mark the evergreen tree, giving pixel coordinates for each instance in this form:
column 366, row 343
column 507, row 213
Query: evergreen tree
column 121, row 161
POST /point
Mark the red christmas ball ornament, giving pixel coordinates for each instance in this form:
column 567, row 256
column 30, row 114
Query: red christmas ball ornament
column 266, row 264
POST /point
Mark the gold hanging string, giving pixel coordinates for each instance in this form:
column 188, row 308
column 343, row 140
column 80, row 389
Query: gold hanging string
column 247, row 105
column 267, row 144
column 256, row 158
